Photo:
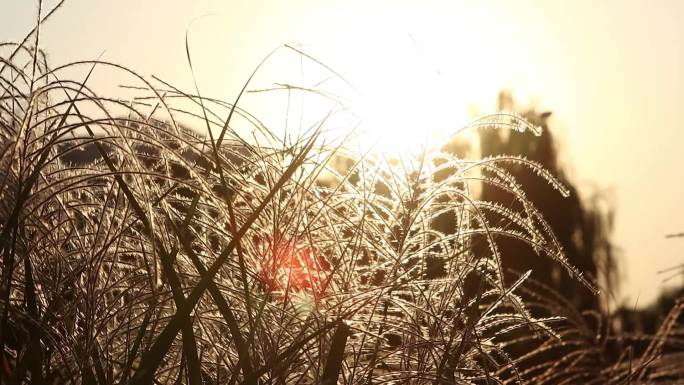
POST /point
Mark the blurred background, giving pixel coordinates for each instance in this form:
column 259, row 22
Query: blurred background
column 603, row 77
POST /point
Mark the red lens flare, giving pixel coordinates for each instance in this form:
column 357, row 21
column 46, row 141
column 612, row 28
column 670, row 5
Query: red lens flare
column 289, row 267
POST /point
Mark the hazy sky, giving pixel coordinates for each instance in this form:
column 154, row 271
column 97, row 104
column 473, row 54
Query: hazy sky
column 611, row 71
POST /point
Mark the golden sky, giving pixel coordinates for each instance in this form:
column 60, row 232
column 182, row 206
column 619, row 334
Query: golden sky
column 611, row 71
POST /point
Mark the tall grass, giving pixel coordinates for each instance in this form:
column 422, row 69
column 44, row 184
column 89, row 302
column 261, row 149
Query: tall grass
column 137, row 250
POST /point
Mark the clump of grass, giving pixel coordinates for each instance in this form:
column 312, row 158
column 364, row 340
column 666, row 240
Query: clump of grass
column 136, row 250
column 591, row 350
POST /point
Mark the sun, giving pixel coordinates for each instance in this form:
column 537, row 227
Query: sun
column 407, row 83
column 403, row 108
column 403, row 91
column 397, row 102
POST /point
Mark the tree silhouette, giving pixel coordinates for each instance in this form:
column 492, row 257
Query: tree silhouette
column 582, row 226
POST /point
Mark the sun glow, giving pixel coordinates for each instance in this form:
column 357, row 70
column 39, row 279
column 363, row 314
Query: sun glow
column 404, row 101
column 403, row 106
column 290, row 269
column 406, row 77
column 410, row 85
